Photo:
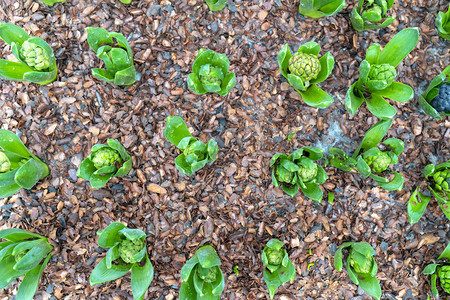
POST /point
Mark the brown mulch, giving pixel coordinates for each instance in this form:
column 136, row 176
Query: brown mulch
column 232, row 203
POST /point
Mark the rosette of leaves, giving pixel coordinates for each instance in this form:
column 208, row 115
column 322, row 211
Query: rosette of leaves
column 210, row 74
column 320, row 8
column 195, row 154
column 216, row 5
column 435, row 101
column 371, row 14
column 443, row 24
column 202, row 277
column 377, row 73
column 127, row 251
column 19, row 168
column 369, row 161
column 36, row 60
column 114, row 50
column 304, row 70
column 105, row 162
column 278, row 268
column 437, row 181
column 361, row 266
column 298, row 170
column 23, row 254
column 440, row 271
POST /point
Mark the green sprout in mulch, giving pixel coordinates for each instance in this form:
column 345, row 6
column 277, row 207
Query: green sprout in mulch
column 299, row 171
column 52, row 2
column 127, row 251
column 437, row 180
column 114, row 50
column 435, row 101
column 441, row 271
column 19, row 168
column 23, row 254
column 196, row 154
column 202, row 277
column 37, row 61
column 377, row 73
column 320, row 8
column 304, row 70
column 371, row 14
column 361, row 266
column 443, row 24
column 216, row 5
column 372, row 162
column 105, row 162
column 278, row 268
column 210, row 74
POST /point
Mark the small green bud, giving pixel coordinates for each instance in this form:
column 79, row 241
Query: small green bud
column 284, row 175
column 442, row 180
column 5, row 164
column 20, row 255
column 379, row 163
column 35, row 56
column 384, row 72
column 211, row 77
column 274, row 257
column 363, row 269
column 306, row 66
column 129, row 248
column 373, row 14
column 444, row 277
column 208, row 275
column 307, row 175
column 105, row 157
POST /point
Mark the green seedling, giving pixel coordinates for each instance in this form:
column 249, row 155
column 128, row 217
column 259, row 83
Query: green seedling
column 320, row 8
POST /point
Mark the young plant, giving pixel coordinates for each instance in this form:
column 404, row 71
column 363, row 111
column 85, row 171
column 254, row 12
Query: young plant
column 23, row 253
column 441, row 271
column 210, row 74
column 105, row 162
column 372, row 162
column 443, row 24
column 437, row 180
column 361, row 266
column 36, row 63
column 299, row 171
column 278, row 268
column 216, row 5
column 19, row 168
column 377, row 73
column 196, row 154
column 202, row 277
column 304, row 69
column 320, row 8
column 127, row 251
column 371, row 14
column 435, row 101
column 114, row 50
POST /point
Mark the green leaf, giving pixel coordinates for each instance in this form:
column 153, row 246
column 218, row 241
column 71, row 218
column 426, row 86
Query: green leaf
column 373, row 136
column 320, row 8
column 208, row 257
column 312, row 48
column 327, row 65
column 221, row 61
column 351, row 273
column 101, row 74
column 30, row 173
column 8, row 273
column 296, row 82
column 314, row 153
column 417, row 205
column 430, row 269
column 125, row 169
column 399, row 47
column 126, row 76
column 24, row 245
column 396, row 145
column 184, row 167
column 380, row 108
column 109, row 236
column 16, row 235
column 445, row 207
column 316, row 97
column 227, row 84
column 272, row 281
column 188, row 267
column 86, row 169
column 397, row 91
column 99, row 181
column 34, row 256
column 8, row 186
column 312, row 191
column 352, row 100
column 11, row 33
column 30, row 281
column 195, row 85
column 141, row 278
column 41, row 78
column 204, row 56
column 132, row 234
column 111, row 255
column 106, row 170
column 212, row 150
column 187, row 290
column 12, row 70
column 176, row 130
column 275, row 244
column 11, row 142
column 372, row 53
column 434, row 290
column 216, row 6
column 338, row 255
column 363, row 167
column 428, row 170
column 52, row 2
column 283, row 60
column 97, row 37
column 395, row 185
column 102, row 274
column 371, row 286
column 445, row 253
column 290, row 190
column 356, row 19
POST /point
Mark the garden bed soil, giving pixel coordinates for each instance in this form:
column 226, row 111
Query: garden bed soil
column 232, row 203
